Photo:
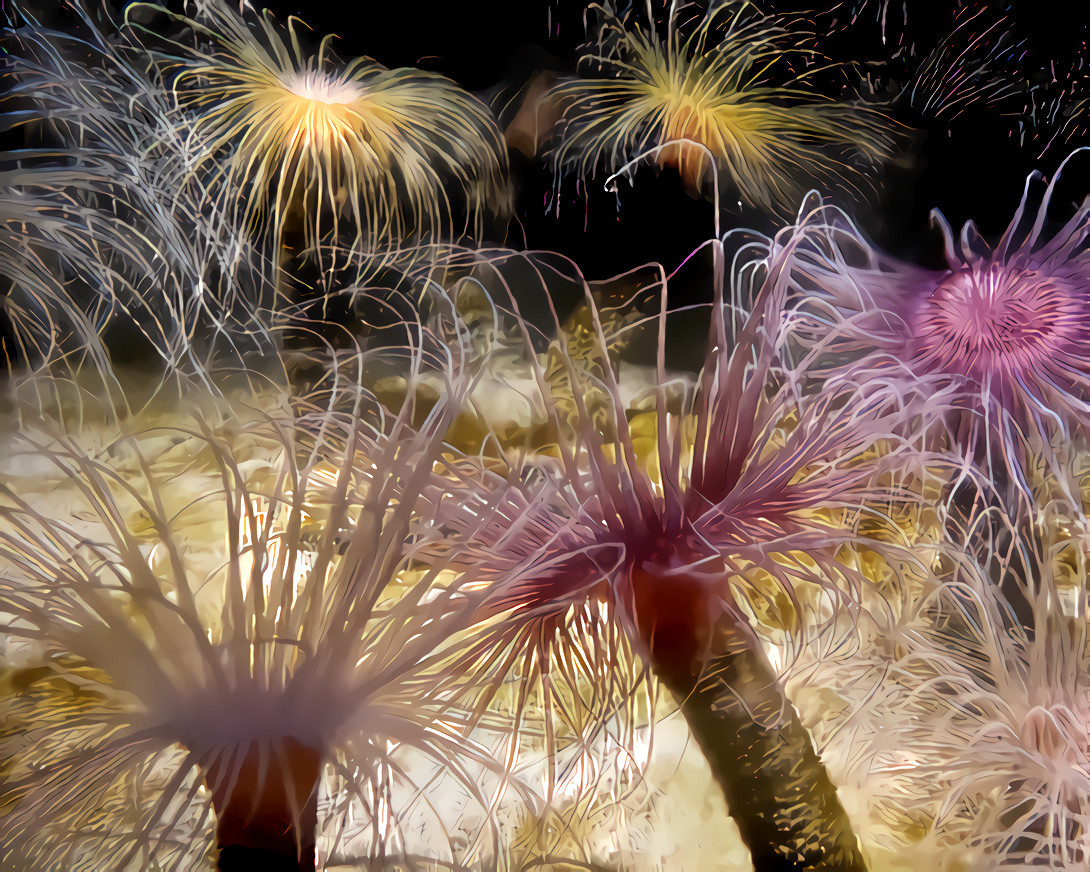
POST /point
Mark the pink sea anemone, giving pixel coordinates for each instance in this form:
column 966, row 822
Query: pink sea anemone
column 1003, row 330
column 748, row 491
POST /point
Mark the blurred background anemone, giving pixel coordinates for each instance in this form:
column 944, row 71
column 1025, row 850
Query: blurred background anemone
column 982, row 724
column 723, row 91
column 43, row 327
column 971, row 70
column 298, row 141
column 952, row 711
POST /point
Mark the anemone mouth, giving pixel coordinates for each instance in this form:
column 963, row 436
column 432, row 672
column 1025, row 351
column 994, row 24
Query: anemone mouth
column 314, row 86
column 999, row 325
column 250, row 714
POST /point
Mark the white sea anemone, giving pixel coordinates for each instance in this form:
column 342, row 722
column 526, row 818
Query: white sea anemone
column 969, row 739
column 223, row 617
column 108, row 232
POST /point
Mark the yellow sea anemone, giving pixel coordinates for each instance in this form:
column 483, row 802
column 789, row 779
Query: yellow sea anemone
column 714, row 99
column 301, row 140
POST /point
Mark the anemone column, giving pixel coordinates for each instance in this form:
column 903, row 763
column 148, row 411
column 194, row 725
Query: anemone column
column 266, row 801
column 776, row 786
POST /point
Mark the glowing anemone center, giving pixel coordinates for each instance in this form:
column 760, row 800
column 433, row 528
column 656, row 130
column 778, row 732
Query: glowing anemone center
column 1055, row 734
column 692, row 117
column 319, row 87
column 996, row 323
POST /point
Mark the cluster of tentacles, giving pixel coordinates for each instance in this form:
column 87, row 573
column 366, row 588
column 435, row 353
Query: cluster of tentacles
column 332, row 537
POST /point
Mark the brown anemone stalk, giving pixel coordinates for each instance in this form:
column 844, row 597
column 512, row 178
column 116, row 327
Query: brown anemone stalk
column 745, row 497
column 266, row 801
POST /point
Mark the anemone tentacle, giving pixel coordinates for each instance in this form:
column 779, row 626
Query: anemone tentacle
column 122, row 240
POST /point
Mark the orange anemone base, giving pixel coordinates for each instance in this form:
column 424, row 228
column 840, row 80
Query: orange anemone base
column 267, row 803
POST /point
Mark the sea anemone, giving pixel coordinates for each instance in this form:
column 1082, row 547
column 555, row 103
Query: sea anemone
column 957, row 720
column 711, row 102
column 1003, row 330
column 747, row 494
column 300, row 645
column 566, row 677
column 300, row 140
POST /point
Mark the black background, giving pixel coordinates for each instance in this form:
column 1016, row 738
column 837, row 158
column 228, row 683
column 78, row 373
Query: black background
column 971, row 168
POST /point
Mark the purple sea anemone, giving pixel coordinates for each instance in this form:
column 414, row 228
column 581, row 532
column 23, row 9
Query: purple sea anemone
column 1004, row 330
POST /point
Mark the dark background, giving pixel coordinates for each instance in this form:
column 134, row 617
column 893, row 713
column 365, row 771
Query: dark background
column 971, row 167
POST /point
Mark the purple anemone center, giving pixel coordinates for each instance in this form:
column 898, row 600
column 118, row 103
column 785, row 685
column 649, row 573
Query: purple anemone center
column 1000, row 326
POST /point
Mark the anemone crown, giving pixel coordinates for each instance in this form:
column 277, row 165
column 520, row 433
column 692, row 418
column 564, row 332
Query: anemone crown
column 996, row 319
column 318, row 87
